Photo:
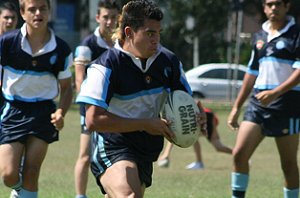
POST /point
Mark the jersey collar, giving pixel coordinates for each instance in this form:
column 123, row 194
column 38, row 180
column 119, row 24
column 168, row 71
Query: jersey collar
column 266, row 28
column 100, row 41
column 50, row 46
column 137, row 60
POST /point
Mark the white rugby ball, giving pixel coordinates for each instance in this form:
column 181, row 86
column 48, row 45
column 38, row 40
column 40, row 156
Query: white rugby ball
column 181, row 109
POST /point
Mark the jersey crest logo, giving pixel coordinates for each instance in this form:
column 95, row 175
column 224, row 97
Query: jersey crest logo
column 34, row 63
column 148, row 79
column 280, row 45
column 260, row 44
column 53, row 59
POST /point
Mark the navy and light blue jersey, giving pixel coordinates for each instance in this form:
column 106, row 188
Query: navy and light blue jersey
column 91, row 47
column 274, row 58
column 118, row 82
column 31, row 77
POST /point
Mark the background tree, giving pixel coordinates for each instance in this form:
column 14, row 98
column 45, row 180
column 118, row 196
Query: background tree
column 210, row 17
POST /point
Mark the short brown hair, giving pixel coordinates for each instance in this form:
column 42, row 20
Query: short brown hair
column 134, row 14
column 108, row 4
column 22, row 2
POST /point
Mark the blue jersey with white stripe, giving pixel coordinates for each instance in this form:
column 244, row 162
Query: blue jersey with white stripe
column 91, row 47
column 273, row 60
column 116, row 81
column 31, row 77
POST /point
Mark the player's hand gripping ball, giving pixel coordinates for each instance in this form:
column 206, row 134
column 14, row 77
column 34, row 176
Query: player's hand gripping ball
column 181, row 110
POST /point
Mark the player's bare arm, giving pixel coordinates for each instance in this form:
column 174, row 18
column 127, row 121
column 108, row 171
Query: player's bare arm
column 66, row 94
column 202, row 119
column 266, row 97
column 98, row 119
column 245, row 91
column 79, row 74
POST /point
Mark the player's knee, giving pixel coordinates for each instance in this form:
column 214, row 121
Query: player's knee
column 125, row 191
column 239, row 158
column 84, row 160
column 9, row 177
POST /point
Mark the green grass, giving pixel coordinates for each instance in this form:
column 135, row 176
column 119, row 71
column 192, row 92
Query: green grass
column 57, row 180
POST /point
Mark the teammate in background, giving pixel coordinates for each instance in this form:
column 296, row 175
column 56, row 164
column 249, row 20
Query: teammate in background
column 90, row 48
column 34, row 63
column 274, row 108
column 212, row 136
column 124, row 91
column 8, row 21
column 8, row 17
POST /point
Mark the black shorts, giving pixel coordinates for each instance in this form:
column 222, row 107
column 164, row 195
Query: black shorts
column 273, row 123
column 21, row 119
column 209, row 124
column 103, row 155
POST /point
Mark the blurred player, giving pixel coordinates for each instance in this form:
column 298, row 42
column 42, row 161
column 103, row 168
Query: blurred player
column 124, row 91
column 8, row 21
column 212, row 136
column 90, row 48
column 35, row 67
column 8, row 17
column 274, row 110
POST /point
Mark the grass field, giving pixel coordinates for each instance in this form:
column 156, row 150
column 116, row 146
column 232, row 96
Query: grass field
column 57, row 181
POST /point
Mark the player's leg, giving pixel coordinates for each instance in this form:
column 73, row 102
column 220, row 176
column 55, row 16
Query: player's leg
column 35, row 153
column 11, row 155
column 122, row 180
column 219, row 146
column 82, row 166
column 287, row 148
column 164, row 159
column 198, row 164
column 248, row 138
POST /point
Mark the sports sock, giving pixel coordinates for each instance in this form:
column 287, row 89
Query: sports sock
column 239, row 184
column 18, row 186
column 81, row 196
column 291, row 193
column 27, row 194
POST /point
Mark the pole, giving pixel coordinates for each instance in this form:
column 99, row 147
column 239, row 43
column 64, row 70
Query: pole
column 196, row 51
column 237, row 49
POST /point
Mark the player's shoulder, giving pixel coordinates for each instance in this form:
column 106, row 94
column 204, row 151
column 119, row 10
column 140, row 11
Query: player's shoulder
column 62, row 45
column 11, row 35
column 108, row 55
column 89, row 40
column 165, row 51
column 295, row 29
column 168, row 56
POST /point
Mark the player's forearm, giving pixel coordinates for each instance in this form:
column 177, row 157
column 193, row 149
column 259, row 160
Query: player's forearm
column 292, row 81
column 115, row 124
column 245, row 91
column 65, row 101
column 108, row 122
column 79, row 75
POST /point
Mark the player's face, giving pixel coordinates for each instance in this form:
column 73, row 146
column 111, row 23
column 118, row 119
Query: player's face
column 36, row 13
column 8, row 20
column 275, row 10
column 107, row 19
column 146, row 39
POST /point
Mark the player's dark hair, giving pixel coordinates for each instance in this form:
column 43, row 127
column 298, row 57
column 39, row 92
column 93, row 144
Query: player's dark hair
column 108, row 4
column 8, row 6
column 134, row 14
column 284, row 1
column 22, row 4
